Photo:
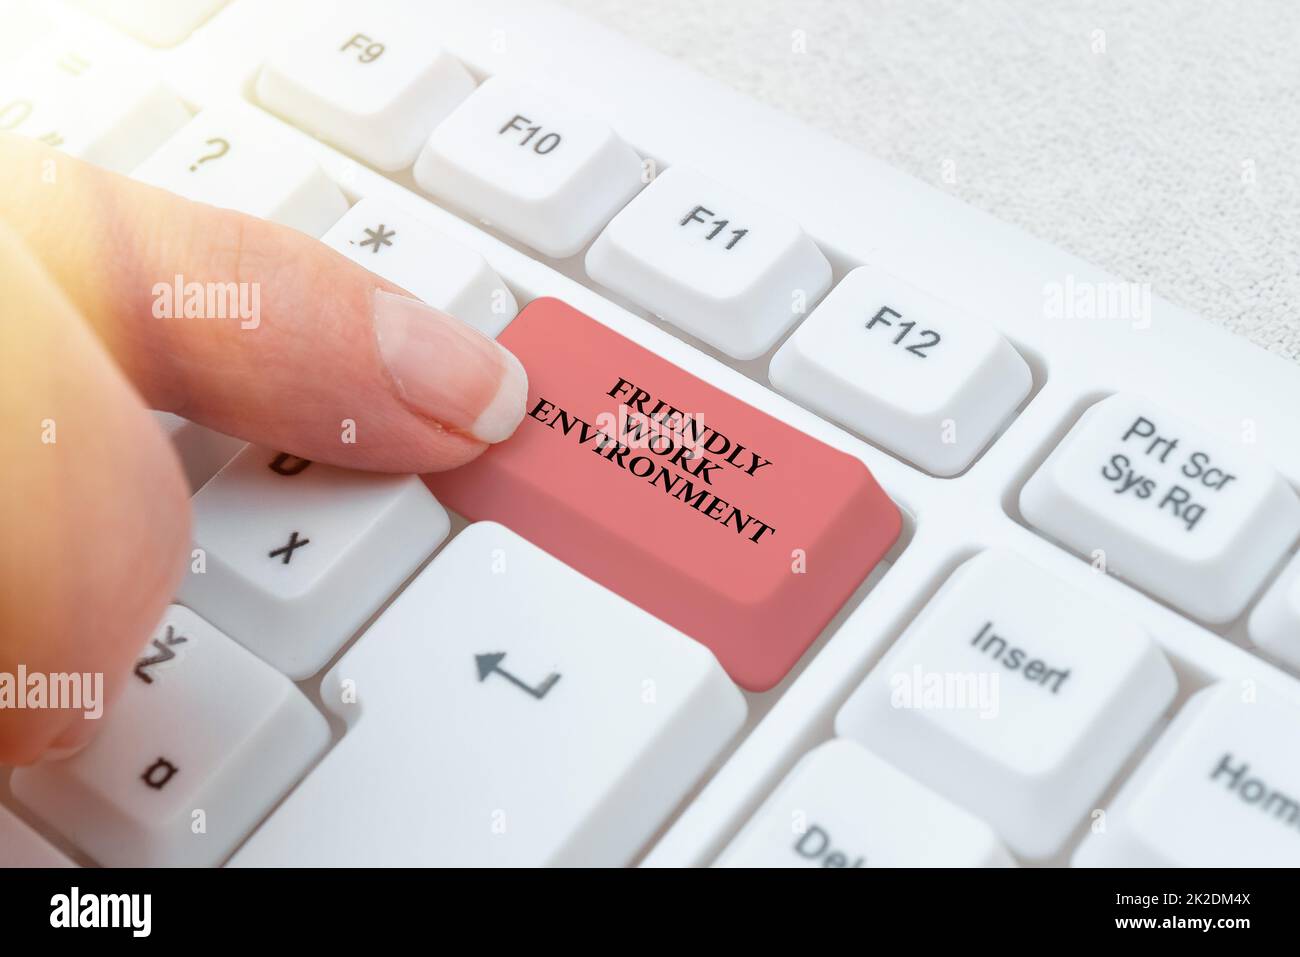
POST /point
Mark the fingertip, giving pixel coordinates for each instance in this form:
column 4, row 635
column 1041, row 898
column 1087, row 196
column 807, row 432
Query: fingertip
column 446, row 370
column 94, row 505
column 498, row 421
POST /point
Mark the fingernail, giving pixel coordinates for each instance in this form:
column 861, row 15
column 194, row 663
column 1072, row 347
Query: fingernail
column 449, row 371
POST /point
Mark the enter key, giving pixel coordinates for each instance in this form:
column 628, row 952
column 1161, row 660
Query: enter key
column 726, row 523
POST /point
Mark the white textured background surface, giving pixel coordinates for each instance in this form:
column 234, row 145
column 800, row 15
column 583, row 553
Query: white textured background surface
column 1159, row 139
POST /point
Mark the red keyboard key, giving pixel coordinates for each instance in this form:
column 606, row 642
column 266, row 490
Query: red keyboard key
column 723, row 521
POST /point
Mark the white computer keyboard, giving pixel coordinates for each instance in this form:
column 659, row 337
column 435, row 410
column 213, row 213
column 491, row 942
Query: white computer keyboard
column 1079, row 644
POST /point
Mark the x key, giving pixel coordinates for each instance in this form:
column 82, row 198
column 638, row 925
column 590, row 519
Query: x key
column 287, row 549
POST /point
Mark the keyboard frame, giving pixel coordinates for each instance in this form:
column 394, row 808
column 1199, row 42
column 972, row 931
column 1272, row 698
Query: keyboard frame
column 858, row 211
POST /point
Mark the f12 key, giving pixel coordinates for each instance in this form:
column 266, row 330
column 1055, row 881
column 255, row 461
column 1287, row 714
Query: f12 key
column 719, row 519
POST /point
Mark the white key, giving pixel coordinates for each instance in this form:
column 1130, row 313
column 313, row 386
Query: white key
column 160, row 23
column 505, row 710
column 27, row 27
column 1221, row 788
column 20, row 846
column 295, row 557
column 201, row 742
column 203, row 452
column 1015, row 696
column 35, row 89
column 841, row 806
column 717, row 264
column 367, row 82
column 1275, row 622
column 1195, row 520
column 393, row 243
column 104, row 112
column 907, row 371
column 539, row 171
column 234, row 155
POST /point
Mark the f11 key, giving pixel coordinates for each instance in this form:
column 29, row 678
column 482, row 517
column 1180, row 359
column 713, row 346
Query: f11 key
column 719, row 519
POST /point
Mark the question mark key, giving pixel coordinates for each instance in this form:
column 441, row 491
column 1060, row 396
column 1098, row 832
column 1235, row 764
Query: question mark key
column 220, row 147
column 271, row 173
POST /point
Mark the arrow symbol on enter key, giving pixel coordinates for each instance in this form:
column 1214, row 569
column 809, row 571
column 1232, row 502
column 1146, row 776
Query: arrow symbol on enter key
column 491, row 664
